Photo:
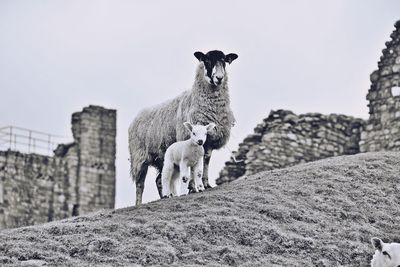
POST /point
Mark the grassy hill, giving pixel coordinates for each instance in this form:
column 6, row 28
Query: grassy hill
column 316, row 214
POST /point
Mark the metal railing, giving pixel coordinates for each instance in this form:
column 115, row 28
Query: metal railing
column 29, row 141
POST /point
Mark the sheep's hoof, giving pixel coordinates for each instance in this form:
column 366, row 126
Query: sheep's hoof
column 192, row 190
column 167, row 196
column 207, row 186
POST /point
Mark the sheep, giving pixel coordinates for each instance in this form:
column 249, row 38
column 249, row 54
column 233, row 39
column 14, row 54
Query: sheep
column 154, row 129
column 386, row 254
column 183, row 160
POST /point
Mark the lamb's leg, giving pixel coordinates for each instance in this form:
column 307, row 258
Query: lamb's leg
column 175, row 183
column 192, row 186
column 140, row 178
column 207, row 157
column 184, row 172
column 194, row 181
column 197, row 174
column 166, row 179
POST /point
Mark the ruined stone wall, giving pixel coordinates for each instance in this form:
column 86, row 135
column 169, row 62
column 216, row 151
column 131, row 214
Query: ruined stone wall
column 79, row 178
column 383, row 127
column 26, row 184
column 286, row 139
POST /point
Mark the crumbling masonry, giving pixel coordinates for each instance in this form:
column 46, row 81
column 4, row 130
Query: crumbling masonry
column 382, row 130
column 79, row 178
column 285, row 139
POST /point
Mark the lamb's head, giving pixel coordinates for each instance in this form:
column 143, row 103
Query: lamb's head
column 386, row 254
column 198, row 133
column 214, row 65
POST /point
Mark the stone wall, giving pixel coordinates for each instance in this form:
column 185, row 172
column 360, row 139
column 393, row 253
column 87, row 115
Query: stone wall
column 383, row 126
column 79, row 178
column 284, row 139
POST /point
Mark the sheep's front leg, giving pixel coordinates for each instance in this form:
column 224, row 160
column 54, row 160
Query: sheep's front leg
column 207, row 157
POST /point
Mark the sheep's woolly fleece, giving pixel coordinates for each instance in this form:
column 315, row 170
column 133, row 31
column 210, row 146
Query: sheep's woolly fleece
column 322, row 213
column 154, row 129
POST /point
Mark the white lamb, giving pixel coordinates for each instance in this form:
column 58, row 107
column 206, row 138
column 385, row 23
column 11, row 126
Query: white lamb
column 183, row 161
column 386, row 254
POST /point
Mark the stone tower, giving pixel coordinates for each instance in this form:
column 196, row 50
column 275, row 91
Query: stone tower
column 382, row 130
column 94, row 131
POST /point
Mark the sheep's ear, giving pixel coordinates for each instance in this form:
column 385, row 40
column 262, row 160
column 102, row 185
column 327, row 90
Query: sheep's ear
column 377, row 243
column 210, row 126
column 199, row 55
column 230, row 57
column 188, row 126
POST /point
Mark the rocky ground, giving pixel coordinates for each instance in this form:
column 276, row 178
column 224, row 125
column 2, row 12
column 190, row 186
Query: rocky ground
column 316, row 214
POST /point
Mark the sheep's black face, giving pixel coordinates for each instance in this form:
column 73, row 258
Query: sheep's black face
column 214, row 65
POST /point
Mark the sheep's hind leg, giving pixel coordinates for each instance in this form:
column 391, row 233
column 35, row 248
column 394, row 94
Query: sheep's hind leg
column 159, row 185
column 207, row 157
column 159, row 167
column 140, row 178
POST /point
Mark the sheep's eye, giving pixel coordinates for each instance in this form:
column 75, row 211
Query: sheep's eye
column 194, row 134
column 386, row 254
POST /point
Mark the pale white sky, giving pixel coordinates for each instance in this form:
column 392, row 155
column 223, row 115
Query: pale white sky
column 307, row 56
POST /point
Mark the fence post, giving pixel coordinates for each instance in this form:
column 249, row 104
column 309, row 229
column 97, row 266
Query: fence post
column 29, row 141
column 10, row 138
column 15, row 142
column 48, row 144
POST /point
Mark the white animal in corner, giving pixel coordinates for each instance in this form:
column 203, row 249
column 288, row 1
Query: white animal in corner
column 183, row 160
column 386, row 254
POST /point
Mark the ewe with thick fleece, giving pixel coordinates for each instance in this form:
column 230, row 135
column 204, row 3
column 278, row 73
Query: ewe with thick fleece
column 184, row 161
column 386, row 254
column 155, row 129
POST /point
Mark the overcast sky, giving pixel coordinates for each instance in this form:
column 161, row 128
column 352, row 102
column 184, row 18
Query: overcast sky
column 57, row 57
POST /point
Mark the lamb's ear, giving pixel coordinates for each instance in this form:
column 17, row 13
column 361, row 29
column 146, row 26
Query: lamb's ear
column 377, row 243
column 188, row 126
column 210, row 126
column 230, row 57
column 199, row 55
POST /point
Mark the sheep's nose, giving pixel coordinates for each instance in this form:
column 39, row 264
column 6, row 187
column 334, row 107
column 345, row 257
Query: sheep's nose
column 219, row 78
column 200, row 142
